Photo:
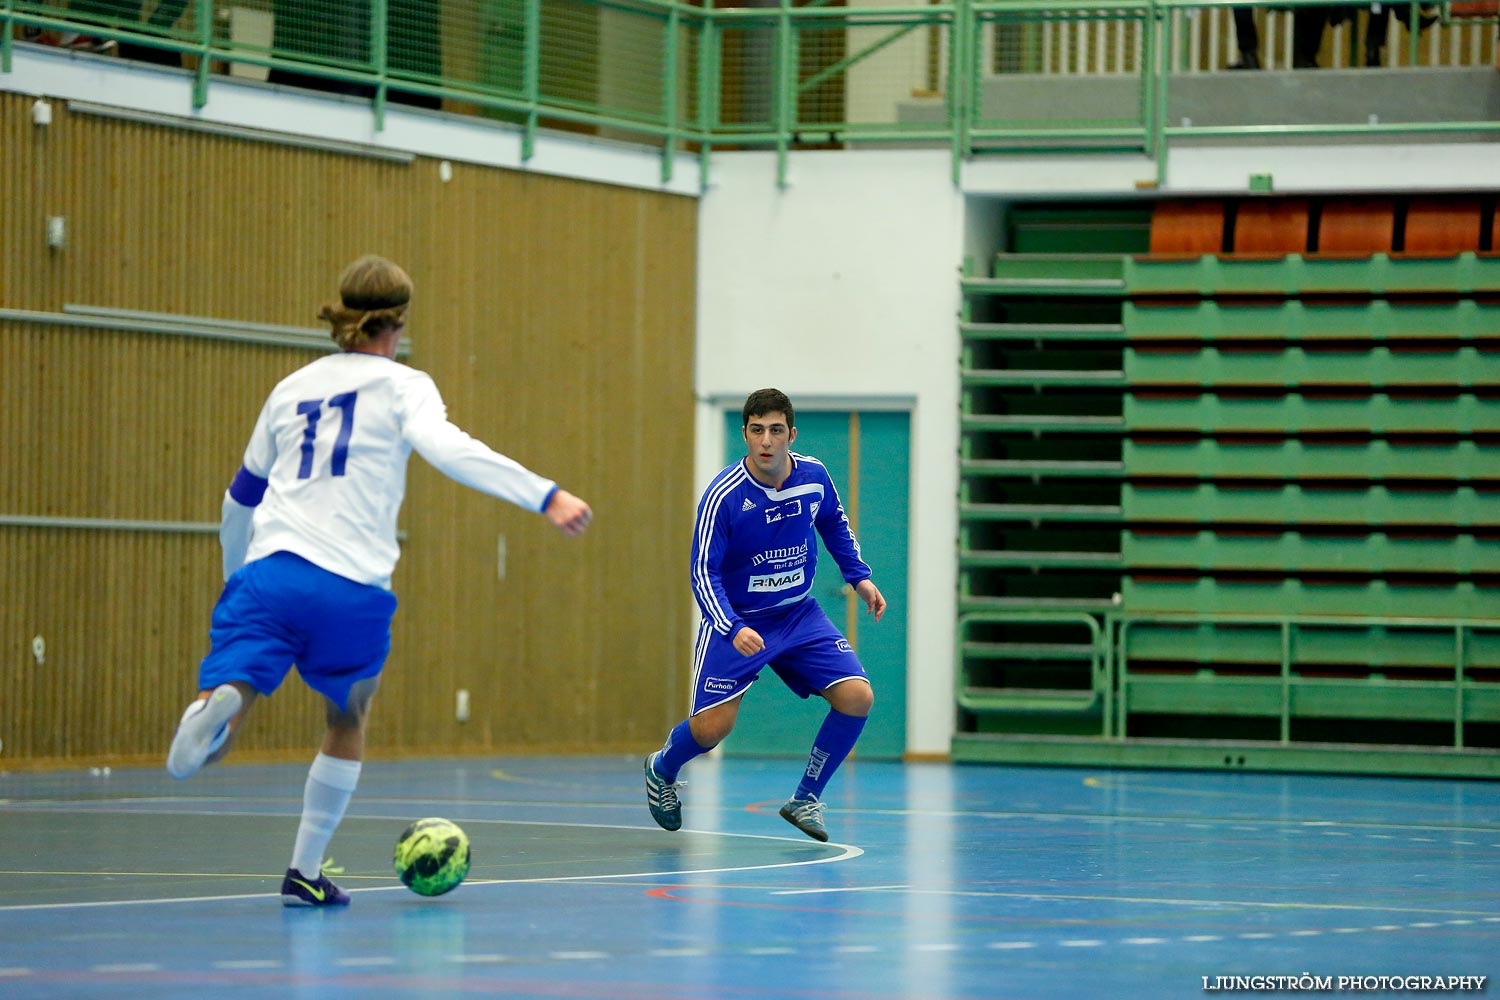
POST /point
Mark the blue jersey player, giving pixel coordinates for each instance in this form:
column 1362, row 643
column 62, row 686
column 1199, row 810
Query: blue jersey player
column 309, row 538
column 754, row 555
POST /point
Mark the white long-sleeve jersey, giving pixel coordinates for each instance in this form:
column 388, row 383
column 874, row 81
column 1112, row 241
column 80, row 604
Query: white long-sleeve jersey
column 325, row 470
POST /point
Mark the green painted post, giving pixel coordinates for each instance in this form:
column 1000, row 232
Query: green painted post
column 203, row 12
column 966, row 76
column 783, row 90
column 7, row 40
column 1106, row 640
column 378, row 15
column 708, row 91
column 1286, row 681
column 669, row 94
column 1163, row 58
column 531, row 75
column 1413, row 32
column 1458, row 685
column 1149, row 121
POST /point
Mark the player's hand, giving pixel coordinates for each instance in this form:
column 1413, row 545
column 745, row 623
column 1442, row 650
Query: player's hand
column 870, row 594
column 568, row 513
column 748, row 641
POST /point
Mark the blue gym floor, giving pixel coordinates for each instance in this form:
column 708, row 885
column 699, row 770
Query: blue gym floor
column 940, row 881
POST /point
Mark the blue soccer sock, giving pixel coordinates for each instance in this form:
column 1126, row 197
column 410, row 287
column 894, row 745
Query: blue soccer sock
column 836, row 737
column 677, row 751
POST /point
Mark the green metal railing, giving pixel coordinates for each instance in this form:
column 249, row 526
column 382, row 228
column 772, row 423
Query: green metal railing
column 1297, row 691
column 691, row 78
column 1296, row 684
column 1092, row 652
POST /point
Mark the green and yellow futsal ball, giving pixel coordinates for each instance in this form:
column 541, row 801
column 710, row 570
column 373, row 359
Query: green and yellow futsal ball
column 432, row 856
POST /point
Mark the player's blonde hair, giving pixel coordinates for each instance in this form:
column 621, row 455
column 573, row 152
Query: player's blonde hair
column 373, row 295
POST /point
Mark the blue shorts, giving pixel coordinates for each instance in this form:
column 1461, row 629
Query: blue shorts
column 802, row 647
column 282, row 610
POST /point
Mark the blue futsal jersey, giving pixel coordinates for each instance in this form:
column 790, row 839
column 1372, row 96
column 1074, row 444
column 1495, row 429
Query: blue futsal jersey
column 754, row 550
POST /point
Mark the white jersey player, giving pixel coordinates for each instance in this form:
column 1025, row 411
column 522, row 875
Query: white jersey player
column 309, row 540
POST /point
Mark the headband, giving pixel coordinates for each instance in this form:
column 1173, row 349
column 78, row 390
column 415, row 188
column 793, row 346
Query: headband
column 369, row 303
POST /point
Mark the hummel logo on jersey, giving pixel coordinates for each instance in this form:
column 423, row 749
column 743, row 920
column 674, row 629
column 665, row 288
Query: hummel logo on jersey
column 747, row 505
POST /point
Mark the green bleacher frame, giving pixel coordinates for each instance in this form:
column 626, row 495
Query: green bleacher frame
column 1298, row 275
column 1309, row 510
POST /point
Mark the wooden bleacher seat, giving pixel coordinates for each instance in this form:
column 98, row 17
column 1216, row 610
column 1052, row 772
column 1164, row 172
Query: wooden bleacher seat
column 1276, row 226
column 1357, row 226
column 1442, row 226
column 1193, row 227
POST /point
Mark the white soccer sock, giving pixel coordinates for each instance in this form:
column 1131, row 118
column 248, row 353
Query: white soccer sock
column 330, row 785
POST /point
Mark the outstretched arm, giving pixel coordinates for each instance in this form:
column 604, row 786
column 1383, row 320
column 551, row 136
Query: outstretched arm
column 458, row 456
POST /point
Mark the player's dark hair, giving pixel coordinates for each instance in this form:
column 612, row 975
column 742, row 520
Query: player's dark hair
column 373, row 296
column 763, row 401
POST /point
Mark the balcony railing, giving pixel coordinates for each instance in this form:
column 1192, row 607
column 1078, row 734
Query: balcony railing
column 976, row 76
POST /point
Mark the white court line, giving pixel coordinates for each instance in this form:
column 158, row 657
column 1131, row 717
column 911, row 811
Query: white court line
column 1199, row 821
column 848, row 888
column 849, row 853
column 243, row 964
column 1172, row 901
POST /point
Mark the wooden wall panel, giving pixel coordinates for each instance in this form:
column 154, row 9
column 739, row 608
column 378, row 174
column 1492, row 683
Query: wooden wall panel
column 557, row 318
column 111, row 424
column 125, row 620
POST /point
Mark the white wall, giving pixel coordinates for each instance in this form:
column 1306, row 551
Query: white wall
column 842, row 287
column 1226, row 170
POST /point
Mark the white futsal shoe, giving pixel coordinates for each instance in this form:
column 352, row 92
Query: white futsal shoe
column 203, row 729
